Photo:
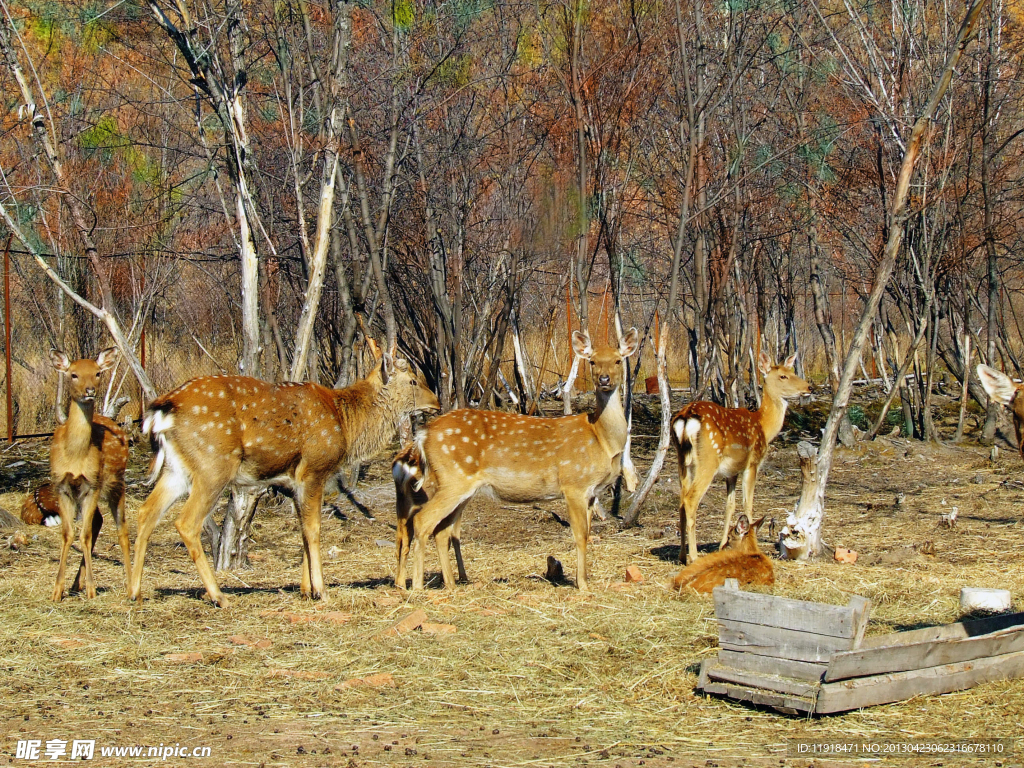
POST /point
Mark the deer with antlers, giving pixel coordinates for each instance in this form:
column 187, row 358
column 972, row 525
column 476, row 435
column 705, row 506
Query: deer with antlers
column 1005, row 391
column 88, row 456
column 217, row 431
column 523, row 459
column 741, row 558
column 712, row 441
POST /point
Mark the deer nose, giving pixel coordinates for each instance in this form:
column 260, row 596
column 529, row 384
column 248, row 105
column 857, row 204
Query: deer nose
column 604, row 379
column 90, row 391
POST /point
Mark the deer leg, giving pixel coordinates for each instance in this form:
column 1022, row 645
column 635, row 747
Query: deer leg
column 442, row 540
column 168, row 490
column 749, row 480
column 425, row 523
column 457, row 540
column 309, row 502
column 696, row 485
column 405, row 510
column 67, row 523
column 578, row 509
column 117, row 509
column 190, row 527
column 92, row 521
column 730, row 506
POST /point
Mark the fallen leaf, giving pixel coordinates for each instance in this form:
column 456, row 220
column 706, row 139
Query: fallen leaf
column 407, row 624
column 299, row 674
column 427, row 628
column 381, row 680
column 184, row 658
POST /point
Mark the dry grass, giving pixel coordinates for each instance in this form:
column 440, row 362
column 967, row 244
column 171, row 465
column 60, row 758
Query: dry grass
column 534, row 674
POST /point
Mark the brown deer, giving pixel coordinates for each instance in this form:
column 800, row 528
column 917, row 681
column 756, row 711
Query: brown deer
column 217, row 431
column 712, row 441
column 88, row 457
column 740, row 559
column 1004, row 391
column 524, row 459
column 41, row 507
column 413, row 488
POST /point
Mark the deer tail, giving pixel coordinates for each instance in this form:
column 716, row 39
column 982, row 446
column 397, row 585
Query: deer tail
column 158, row 420
column 685, row 428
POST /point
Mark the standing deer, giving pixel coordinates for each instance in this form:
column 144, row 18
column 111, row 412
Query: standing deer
column 524, row 459
column 217, row 431
column 1004, row 390
column 88, row 457
column 413, row 488
column 712, row 441
column 739, row 559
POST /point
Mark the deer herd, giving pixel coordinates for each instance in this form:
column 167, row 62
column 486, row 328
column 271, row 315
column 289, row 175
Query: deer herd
column 220, row 432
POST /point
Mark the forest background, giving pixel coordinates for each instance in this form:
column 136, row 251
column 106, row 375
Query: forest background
column 243, row 186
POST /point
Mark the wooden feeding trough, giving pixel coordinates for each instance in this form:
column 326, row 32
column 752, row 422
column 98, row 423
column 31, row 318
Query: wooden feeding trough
column 803, row 657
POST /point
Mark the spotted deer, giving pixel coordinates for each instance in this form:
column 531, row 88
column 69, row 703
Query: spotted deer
column 42, row 506
column 741, row 558
column 712, row 441
column 413, row 488
column 88, row 456
column 220, row 431
column 524, row 459
column 1005, row 391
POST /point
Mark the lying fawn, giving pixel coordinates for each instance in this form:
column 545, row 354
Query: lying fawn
column 1004, row 390
column 41, row 507
column 712, row 441
column 413, row 488
column 740, row 559
column 218, row 431
column 88, row 457
column 524, row 459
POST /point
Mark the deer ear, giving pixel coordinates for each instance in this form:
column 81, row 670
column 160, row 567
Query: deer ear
column 59, row 360
column 628, row 344
column 742, row 526
column 756, row 525
column 106, row 359
column 999, row 386
column 581, row 344
column 764, row 363
column 790, row 361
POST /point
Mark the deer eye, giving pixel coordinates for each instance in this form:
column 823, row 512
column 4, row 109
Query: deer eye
column 74, row 375
column 783, row 376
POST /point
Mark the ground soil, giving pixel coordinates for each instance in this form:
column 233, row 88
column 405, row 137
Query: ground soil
column 530, row 673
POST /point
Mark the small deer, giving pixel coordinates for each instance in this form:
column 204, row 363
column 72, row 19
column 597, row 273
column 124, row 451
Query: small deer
column 41, row 507
column 740, row 559
column 524, row 459
column 413, row 488
column 1005, row 391
column 217, row 431
column 88, row 456
column 712, row 441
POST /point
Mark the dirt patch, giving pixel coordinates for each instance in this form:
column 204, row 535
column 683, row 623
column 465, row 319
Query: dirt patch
column 530, row 673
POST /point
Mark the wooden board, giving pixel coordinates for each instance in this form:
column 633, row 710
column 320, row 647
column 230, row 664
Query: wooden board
column 751, row 662
column 847, row 621
column 883, row 689
column 959, row 630
column 777, row 683
column 901, row 657
column 784, row 702
column 774, row 641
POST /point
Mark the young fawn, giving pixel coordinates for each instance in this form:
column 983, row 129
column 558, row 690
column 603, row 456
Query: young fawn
column 413, row 488
column 712, row 441
column 523, row 459
column 218, row 431
column 88, row 457
column 740, row 559
column 1004, row 390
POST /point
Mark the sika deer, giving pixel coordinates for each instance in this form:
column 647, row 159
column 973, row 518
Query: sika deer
column 1004, row 390
column 413, row 488
column 88, row 457
column 218, row 431
column 712, row 441
column 524, row 459
column 42, row 506
column 740, row 559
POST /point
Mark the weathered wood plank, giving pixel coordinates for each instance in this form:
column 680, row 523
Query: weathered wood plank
column 781, row 701
column 845, row 695
column 901, row 658
column 959, row 630
column 752, row 662
column 779, row 642
column 840, row 621
column 761, row 680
